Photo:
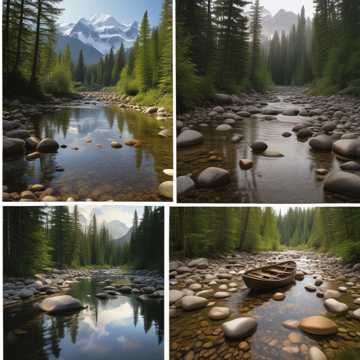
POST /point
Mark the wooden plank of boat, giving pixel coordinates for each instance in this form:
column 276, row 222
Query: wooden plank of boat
column 270, row 276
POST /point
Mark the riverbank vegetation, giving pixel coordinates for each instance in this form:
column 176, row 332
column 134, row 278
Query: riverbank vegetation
column 214, row 231
column 39, row 237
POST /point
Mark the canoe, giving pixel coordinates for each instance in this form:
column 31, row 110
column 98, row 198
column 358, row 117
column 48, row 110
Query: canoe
column 270, row 276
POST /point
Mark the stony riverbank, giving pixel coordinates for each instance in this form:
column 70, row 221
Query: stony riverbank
column 144, row 284
column 214, row 316
column 325, row 125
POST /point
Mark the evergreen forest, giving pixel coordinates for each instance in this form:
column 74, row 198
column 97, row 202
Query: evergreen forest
column 36, row 238
column 221, row 48
column 215, row 231
column 31, row 66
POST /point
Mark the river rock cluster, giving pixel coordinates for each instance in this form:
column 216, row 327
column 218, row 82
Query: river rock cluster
column 326, row 124
column 205, row 325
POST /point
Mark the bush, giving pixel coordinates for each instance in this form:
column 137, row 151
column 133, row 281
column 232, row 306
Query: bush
column 59, row 81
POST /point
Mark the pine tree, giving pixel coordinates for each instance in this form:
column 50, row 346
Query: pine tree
column 80, row 70
column 119, row 64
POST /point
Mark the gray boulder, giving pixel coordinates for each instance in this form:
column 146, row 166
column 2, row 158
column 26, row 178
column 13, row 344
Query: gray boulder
column 18, row 134
column 189, row 138
column 239, row 328
column 321, row 143
column 213, row 177
column 190, row 303
column 259, row 146
column 184, row 185
column 343, row 183
column 13, row 146
column 60, row 304
column 349, row 148
column 47, row 145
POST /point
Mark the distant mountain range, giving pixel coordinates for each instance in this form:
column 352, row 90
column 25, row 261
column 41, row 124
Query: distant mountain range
column 96, row 36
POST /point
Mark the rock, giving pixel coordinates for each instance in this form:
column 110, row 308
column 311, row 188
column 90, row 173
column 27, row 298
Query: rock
column 272, row 154
column 125, row 289
column 169, row 172
column 299, row 275
column 349, row 148
column 343, row 183
column 33, row 156
column 316, row 354
column 236, row 138
column 175, row 295
column 189, row 303
column 184, row 185
column 295, row 337
column 60, row 304
column 329, row 126
column 10, row 125
column 219, row 313
column 49, row 198
column 195, row 287
column 270, row 111
column 335, row 306
column 310, row 288
column 246, row 164
column 221, row 295
column 37, row 187
column 291, row 112
column 259, row 146
column 321, row 172
column 350, row 166
column 116, row 145
column 291, row 324
column 13, row 147
column 189, row 138
column 27, row 194
column 151, row 110
column 219, row 109
column 166, row 189
column 133, row 142
column 223, row 99
column 356, row 314
column 321, row 143
column 165, row 133
column 286, row 134
column 201, row 263
column 278, row 296
column 224, row 127
column 26, row 293
column 213, row 177
column 318, row 325
column 18, row 134
column 32, row 142
column 304, row 133
column 48, row 145
column 102, row 296
column 239, row 328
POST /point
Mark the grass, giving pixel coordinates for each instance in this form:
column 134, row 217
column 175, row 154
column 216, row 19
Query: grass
column 154, row 97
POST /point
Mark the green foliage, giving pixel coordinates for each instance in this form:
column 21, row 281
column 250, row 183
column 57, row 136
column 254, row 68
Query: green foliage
column 59, row 79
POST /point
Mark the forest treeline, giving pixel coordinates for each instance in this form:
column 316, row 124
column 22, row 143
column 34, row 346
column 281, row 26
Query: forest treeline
column 32, row 67
column 218, row 49
column 215, row 231
column 221, row 48
column 39, row 237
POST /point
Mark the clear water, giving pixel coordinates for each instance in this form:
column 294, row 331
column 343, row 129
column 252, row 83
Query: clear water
column 96, row 170
column 291, row 179
column 120, row 327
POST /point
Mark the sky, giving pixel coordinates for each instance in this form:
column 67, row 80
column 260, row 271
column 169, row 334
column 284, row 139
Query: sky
column 291, row 5
column 111, row 212
column 125, row 11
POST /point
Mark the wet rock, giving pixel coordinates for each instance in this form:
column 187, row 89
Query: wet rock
column 18, row 134
column 166, row 189
column 236, row 138
column 133, row 142
column 291, row 112
column 189, row 303
column 37, row 187
column 33, row 156
column 272, row 154
column 295, row 337
column 335, row 306
column 219, row 313
column 47, row 145
column 13, row 147
column 270, row 111
column 291, row 324
column 321, row 143
column 299, row 275
column 116, row 145
column 356, row 314
column 259, row 146
column 60, row 304
column 223, row 99
column 29, row 195
column 169, row 172
column 318, row 325
column 278, row 296
column 304, row 133
column 286, row 134
column 201, row 263
column 350, row 166
column 195, row 287
column 239, row 328
column 10, row 125
column 246, row 164
column 32, row 142
column 316, row 354
column 348, row 148
column 329, row 126
column 184, row 185
column 175, row 295
column 125, row 289
column 213, row 177
column 102, row 296
column 310, row 288
column 189, row 138
column 165, row 133
column 321, row 172
column 343, row 183
column 49, row 198
column 26, row 293
column 221, row 295
column 224, row 127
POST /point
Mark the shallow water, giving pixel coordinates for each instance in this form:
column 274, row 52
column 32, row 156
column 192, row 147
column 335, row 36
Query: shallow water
column 96, row 170
column 290, row 179
column 120, row 327
column 271, row 337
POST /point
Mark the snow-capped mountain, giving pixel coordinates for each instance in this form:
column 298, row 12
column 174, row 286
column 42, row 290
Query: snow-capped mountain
column 101, row 32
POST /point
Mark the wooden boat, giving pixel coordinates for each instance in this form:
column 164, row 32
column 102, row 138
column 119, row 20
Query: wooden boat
column 270, row 276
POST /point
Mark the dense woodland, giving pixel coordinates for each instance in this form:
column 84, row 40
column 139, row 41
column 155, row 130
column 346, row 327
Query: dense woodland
column 31, row 65
column 214, row 231
column 40, row 237
column 220, row 49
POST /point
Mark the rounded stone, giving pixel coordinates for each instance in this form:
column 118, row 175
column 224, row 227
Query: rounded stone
column 221, row 295
column 343, row 183
column 259, row 146
column 60, row 304
column 213, row 177
column 224, row 127
column 189, row 138
column 190, row 303
column 47, row 145
column 278, row 296
column 316, row 354
column 335, row 306
column 184, row 185
column 318, row 325
column 321, row 143
column 219, row 313
column 348, row 148
column 332, row 294
column 240, row 328
column 166, row 189
column 246, row 164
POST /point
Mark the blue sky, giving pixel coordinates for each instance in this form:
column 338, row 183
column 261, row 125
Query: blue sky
column 125, row 11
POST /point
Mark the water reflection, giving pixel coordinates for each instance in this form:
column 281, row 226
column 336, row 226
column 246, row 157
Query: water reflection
column 105, row 330
column 92, row 168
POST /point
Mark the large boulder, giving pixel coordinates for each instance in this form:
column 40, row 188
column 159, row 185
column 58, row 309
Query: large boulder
column 350, row 166
column 318, row 325
column 343, row 183
column 13, row 147
column 213, row 177
column 47, row 145
column 348, row 148
column 184, row 185
column 335, row 306
column 240, row 328
column 60, row 304
column 321, row 143
column 175, row 295
column 223, row 99
column 189, row 138
column 201, row 263
column 189, row 303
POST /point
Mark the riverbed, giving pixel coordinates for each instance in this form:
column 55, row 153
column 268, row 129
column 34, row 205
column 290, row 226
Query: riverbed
column 194, row 335
column 121, row 324
column 86, row 165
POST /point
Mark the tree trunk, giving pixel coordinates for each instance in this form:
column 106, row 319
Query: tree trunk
column 6, row 32
column 33, row 79
column 19, row 37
